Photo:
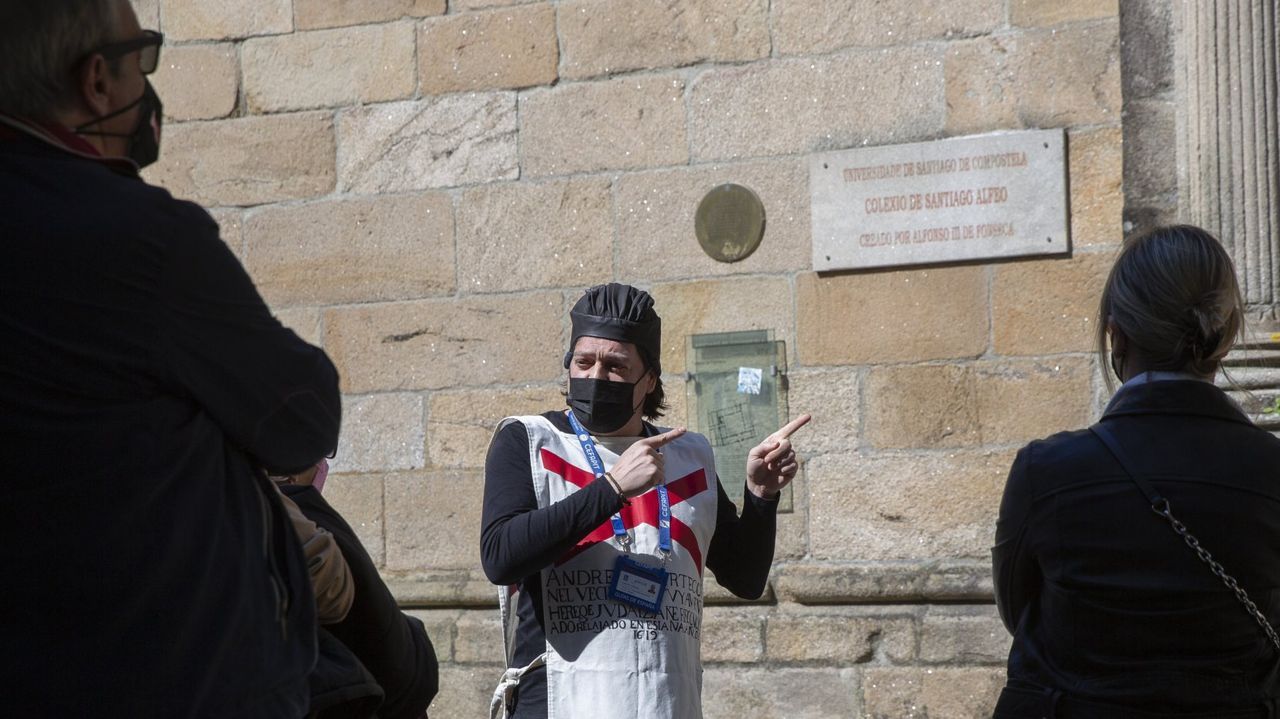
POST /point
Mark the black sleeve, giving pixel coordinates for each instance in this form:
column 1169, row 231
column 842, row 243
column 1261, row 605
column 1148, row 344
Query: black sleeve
column 742, row 547
column 517, row 538
column 273, row 395
column 1013, row 566
column 393, row 646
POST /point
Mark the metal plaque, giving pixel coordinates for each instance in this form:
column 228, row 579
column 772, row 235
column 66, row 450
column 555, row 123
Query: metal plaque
column 737, row 392
column 954, row 200
column 729, row 222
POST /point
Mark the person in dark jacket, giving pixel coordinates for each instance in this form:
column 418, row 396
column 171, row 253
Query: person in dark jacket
column 376, row 661
column 145, row 392
column 1112, row 613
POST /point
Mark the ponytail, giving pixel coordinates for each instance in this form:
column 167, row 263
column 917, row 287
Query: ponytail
column 1173, row 294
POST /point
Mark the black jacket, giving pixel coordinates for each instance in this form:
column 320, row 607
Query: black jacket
column 1106, row 603
column 396, row 660
column 148, row 568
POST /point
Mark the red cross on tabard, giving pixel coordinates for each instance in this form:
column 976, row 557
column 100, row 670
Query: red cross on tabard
column 642, row 510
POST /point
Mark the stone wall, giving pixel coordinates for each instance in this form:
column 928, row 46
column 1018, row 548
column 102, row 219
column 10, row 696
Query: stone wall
column 423, row 188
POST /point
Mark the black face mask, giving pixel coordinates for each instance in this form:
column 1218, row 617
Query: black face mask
column 144, row 141
column 601, row 405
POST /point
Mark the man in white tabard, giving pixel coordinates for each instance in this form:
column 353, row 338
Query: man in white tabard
column 599, row 525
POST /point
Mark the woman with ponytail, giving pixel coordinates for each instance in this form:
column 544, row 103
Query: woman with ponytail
column 1137, row 561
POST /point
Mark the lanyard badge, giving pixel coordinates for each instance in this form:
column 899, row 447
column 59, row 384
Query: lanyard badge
column 633, row 583
column 639, row 585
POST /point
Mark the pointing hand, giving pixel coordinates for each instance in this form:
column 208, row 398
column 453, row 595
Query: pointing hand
column 640, row 466
column 772, row 464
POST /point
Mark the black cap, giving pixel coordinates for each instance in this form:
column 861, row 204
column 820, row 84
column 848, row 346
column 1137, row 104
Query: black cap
column 621, row 313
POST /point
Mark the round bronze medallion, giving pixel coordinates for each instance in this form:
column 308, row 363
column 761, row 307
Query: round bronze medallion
column 729, row 222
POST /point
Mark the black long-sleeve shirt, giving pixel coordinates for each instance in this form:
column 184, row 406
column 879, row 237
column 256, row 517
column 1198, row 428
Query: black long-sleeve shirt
column 518, row 539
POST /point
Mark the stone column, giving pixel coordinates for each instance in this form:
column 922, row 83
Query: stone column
column 1228, row 141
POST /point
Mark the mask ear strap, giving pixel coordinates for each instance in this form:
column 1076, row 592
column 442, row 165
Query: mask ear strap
column 648, row 369
column 101, row 133
column 97, row 120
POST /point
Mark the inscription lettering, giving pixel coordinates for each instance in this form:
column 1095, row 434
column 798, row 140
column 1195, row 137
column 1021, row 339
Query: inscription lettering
column 987, row 196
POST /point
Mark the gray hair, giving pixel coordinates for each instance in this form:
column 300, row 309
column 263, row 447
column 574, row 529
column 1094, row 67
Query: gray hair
column 1173, row 294
column 41, row 43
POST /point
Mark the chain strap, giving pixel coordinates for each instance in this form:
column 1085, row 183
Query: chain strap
column 1161, row 507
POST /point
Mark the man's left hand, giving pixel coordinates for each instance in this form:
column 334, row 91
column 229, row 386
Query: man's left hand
column 772, row 464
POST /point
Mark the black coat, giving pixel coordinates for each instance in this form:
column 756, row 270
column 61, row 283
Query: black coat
column 393, row 656
column 149, row 570
column 1106, row 603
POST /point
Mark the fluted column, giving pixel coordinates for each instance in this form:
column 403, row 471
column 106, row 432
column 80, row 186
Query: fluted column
column 1229, row 133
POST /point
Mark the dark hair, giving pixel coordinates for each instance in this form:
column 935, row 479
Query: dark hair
column 41, row 44
column 1173, row 294
column 656, row 401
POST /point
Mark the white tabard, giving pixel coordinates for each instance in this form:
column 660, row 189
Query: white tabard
column 605, row 658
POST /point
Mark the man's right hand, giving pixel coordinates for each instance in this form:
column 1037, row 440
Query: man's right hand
column 640, row 467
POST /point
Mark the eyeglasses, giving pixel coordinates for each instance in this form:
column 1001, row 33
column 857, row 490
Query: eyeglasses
column 148, row 47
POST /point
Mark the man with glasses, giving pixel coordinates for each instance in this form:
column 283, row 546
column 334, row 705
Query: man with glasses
column 142, row 142
column 145, row 393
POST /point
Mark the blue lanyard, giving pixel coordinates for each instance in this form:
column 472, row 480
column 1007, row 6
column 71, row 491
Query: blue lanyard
column 619, row 528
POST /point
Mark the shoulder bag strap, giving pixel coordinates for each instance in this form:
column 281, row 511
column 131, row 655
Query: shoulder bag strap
column 1160, row 506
